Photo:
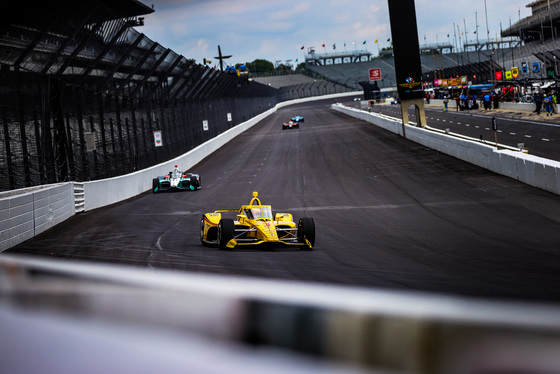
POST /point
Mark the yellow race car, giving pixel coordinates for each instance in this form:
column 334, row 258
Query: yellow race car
column 255, row 225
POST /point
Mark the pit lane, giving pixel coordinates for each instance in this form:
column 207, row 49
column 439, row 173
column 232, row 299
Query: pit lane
column 389, row 214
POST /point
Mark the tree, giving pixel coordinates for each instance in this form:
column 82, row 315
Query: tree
column 283, row 69
column 300, row 68
column 261, row 66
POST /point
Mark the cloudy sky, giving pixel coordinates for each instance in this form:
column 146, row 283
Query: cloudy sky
column 275, row 30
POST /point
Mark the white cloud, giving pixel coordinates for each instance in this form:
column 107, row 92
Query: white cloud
column 275, row 30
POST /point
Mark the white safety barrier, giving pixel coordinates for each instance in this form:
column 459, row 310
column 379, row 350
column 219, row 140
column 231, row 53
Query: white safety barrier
column 27, row 212
column 24, row 215
column 535, row 171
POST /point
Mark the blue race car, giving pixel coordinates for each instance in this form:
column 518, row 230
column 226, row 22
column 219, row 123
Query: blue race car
column 297, row 119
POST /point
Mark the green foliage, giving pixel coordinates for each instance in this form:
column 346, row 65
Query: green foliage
column 283, row 69
column 260, row 66
column 300, row 68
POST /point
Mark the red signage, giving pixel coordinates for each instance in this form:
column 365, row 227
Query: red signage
column 374, row 74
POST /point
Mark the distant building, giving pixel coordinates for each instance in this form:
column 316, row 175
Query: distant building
column 542, row 25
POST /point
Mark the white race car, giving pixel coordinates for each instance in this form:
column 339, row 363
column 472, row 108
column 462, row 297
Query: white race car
column 176, row 180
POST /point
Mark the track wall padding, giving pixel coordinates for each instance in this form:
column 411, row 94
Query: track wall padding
column 28, row 214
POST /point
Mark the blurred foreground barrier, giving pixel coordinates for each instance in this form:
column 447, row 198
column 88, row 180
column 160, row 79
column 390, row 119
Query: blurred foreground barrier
column 70, row 317
column 535, row 171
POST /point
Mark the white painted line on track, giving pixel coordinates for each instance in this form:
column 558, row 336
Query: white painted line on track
column 508, row 119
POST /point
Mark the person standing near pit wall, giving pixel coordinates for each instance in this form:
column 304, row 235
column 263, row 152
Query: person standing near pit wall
column 445, row 103
column 538, row 102
column 496, row 99
column 547, row 101
column 487, row 98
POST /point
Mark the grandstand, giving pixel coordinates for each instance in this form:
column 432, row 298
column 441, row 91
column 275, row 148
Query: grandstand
column 295, row 86
column 541, row 42
column 279, row 81
column 434, row 65
column 351, row 74
column 533, row 41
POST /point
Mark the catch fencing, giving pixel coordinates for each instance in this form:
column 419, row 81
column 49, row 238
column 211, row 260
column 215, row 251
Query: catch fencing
column 55, row 132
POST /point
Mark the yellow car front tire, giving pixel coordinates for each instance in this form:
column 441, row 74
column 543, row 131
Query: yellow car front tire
column 306, row 232
column 226, row 232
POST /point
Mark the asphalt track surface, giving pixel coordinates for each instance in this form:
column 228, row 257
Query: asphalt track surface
column 389, row 214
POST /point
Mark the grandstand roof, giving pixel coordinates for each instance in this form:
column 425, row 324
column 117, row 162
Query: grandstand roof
column 127, row 8
column 41, row 14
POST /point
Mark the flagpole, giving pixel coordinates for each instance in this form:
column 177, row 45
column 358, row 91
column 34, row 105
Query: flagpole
column 476, row 32
column 487, row 29
column 456, row 48
column 467, row 42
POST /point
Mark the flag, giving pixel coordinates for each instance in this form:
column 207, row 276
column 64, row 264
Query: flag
column 302, row 47
column 375, row 41
column 334, row 46
column 364, row 42
column 389, row 39
column 474, row 32
column 296, row 60
column 323, row 45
